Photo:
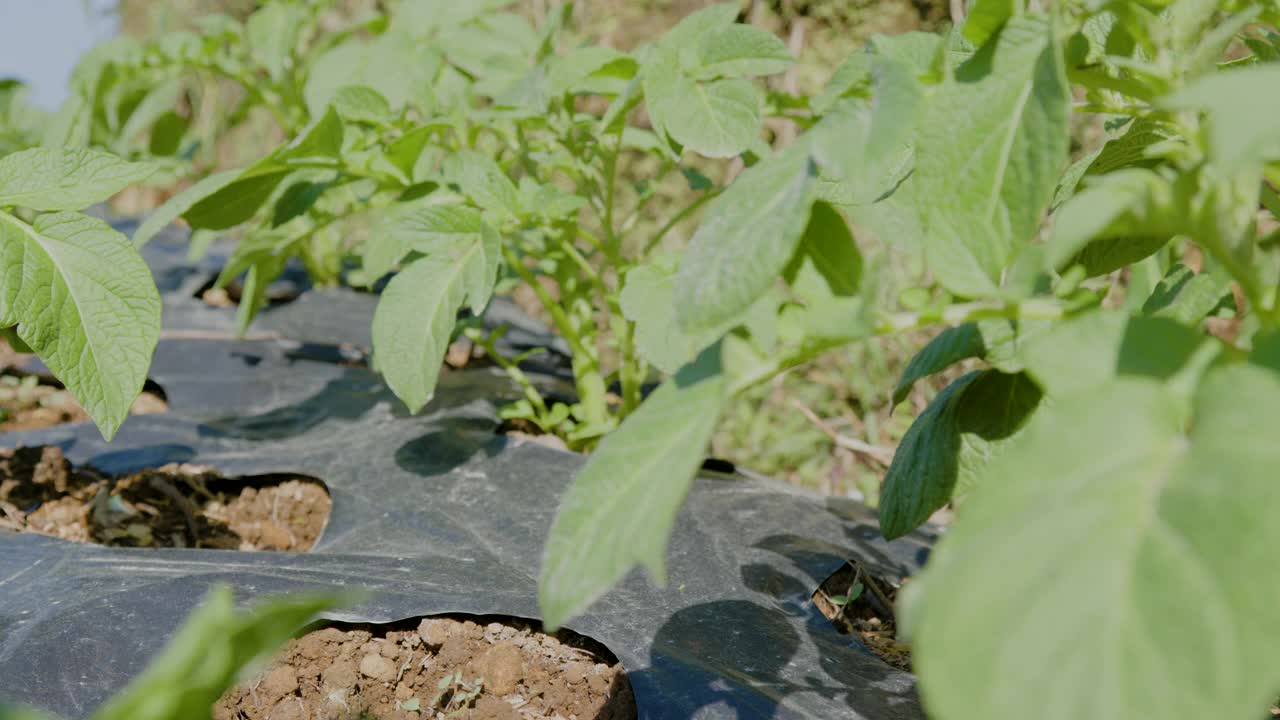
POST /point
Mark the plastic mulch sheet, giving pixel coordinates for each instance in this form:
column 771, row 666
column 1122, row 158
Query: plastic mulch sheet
column 438, row 514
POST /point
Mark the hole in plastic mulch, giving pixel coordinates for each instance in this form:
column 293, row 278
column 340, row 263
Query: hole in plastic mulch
column 480, row 667
column 858, row 601
column 176, row 505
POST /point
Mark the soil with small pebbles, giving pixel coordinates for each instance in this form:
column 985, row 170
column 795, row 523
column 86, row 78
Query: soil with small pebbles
column 445, row 667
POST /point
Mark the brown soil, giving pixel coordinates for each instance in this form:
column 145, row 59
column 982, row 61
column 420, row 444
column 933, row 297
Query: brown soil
column 171, row 506
column 442, row 667
column 870, row 614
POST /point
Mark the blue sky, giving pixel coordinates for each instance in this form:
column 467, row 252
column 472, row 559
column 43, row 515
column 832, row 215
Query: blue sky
column 40, row 41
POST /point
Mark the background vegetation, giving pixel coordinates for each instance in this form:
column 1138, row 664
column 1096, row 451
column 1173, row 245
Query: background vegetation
column 829, row 425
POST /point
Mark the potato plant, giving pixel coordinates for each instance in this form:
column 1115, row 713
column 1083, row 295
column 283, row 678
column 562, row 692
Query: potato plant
column 1108, row 460
column 75, row 291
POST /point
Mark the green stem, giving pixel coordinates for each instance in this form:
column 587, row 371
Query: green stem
column 489, row 343
column 586, row 365
column 893, row 323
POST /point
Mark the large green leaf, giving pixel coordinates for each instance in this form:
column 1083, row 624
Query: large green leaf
column 273, row 32
column 747, row 238
column 207, row 654
column 986, row 17
column 1240, row 106
column 65, row 179
column 741, row 50
column 828, row 245
column 392, row 64
column 1113, row 563
column 719, row 118
column 416, row 315
column 84, row 300
column 988, row 155
column 622, row 505
column 1186, row 296
column 1097, row 347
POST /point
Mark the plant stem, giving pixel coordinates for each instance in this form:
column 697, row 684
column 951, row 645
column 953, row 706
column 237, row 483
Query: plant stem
column 586, row 364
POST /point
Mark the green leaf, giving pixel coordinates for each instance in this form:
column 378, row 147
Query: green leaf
column 232, row 202
column 398, row 68
column 1134, row 212
column 206, row 656
column 71, row 179
column 956, row 434
column 296, row 200
column 948, row 348
column 741, row 50
column 418, row 309
column 1141, row 582
column 273, row 32
column 747, row 238
column 1097, row 347
column 1186, row 297
column 923, row 472
column 84, row 300
column 620, row 509
column 357, row 103
column 718, row 119
column 1240, row 105
column 989, row 151
column 829, row 245
column 320, row 143
column 179, row 204
column 648, row 300
column 566, row 72
column 986, row 17
column 483, row 180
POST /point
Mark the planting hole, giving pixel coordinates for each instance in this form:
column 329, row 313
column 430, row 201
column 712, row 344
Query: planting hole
column 856, row 600
column 176, row 505
column 477, row 667
column 278, row 293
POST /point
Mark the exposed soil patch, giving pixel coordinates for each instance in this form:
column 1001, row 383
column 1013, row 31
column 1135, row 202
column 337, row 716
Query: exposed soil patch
column 857, row 601
column 171, row 506
column 441, row 667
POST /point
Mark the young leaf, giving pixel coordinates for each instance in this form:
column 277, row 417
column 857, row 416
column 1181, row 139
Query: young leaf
column 622, row 505
column 272, row 32
column 1143, row 588
column 484, row 182
column 65, row 179
column 358, row 103
column 85, row 301
column 179, row 204
column 750, row 233
column 207, row 655
column 948, row 348
column 988, row 155
column 229, row 202
column 416, row 314
column 1186, row 297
